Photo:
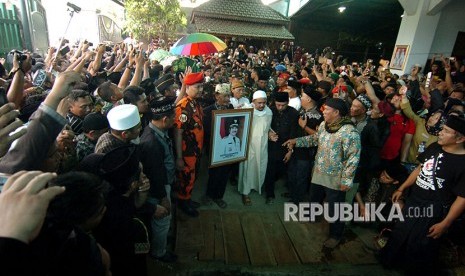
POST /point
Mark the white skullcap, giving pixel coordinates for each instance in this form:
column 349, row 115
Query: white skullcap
column 123, row 117
column 259, row 94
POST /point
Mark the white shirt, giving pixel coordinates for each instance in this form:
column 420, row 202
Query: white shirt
column 295, row 103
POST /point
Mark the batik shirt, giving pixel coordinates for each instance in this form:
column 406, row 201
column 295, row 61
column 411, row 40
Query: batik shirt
column 84, row 146
column 337, row 156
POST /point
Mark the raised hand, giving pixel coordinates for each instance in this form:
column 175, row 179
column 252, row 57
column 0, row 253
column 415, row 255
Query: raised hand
column 24, row 201
column 9, row 122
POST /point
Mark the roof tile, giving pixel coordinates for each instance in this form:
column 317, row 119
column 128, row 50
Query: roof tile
column 241, row 28
column 251, row 10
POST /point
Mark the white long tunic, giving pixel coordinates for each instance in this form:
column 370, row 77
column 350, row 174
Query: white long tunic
column 253, row 170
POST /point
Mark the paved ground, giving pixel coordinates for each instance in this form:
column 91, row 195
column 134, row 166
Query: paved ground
column 189, row 263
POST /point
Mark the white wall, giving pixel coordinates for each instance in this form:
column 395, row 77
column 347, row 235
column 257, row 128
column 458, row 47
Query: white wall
column 430, row 34
column 84, row 24
column 281, row 6
column 451, row 22
column 417, row 31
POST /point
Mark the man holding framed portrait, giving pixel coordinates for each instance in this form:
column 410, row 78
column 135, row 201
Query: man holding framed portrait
column 217, row 176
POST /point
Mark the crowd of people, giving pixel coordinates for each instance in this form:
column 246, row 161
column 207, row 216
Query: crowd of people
column 98, row 146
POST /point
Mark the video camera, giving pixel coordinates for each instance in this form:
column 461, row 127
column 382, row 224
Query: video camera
column 21, row 57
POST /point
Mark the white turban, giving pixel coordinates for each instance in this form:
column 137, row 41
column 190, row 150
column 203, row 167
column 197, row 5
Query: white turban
column 123, row 117
column 259, row 94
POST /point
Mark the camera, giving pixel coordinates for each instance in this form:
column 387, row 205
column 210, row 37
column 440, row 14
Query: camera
column 21, row 57
column 108, row 48
column 64, row 50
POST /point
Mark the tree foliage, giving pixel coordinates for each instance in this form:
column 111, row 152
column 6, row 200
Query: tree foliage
column 150, row 18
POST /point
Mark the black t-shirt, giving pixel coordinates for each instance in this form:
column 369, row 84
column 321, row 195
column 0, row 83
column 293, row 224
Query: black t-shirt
column 449, row 175
column 285, row 124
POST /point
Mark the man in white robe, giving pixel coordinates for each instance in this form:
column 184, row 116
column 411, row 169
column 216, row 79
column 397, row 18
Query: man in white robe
column 253, row 170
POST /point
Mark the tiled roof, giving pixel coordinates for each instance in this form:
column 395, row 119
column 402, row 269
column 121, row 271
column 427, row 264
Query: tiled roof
column 241, row 28
column 244, row 10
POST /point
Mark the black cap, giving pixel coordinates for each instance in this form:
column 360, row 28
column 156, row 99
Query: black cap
column 164, row 82
column 94, row 121
column 281, row 97
column 162, row 105
column 338, row 104
column 120, row 167
column 312, row 93
column 456, row 123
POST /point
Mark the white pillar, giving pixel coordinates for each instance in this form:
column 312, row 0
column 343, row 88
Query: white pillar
column 417, row 30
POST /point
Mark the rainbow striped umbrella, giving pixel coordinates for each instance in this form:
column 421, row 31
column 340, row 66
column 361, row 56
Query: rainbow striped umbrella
column 197, row 44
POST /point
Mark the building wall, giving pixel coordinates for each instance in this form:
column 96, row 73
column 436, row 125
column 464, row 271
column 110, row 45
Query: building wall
column 84, row 25
column 451, row 22
column 294, row 6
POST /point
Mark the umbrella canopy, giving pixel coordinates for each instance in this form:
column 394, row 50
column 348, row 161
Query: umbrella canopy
column 159, row 55
column 197, row 44
column 168, row 60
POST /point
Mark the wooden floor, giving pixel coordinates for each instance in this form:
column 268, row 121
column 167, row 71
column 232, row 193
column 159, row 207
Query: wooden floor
column 261, row 239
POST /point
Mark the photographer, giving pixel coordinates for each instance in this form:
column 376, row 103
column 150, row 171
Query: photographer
column 42, row 131
column 240, row 53
column 22, row 63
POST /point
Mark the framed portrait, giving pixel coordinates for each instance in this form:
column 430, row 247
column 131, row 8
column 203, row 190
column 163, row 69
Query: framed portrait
column 230, row 136
column 399, row 57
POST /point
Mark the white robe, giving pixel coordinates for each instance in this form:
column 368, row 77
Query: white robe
column 253, row 170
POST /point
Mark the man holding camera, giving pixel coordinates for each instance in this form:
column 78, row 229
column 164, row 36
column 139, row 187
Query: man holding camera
column 22, row 64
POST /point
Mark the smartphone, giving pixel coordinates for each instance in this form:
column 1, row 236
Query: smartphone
column 370, row 61
column 329, row 61
column 64, row 50
column 428, row 79
column 39, row 77
column 452, row 58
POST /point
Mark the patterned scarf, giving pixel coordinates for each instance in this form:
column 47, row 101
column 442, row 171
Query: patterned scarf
column 334, row 127
column 434, row 130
